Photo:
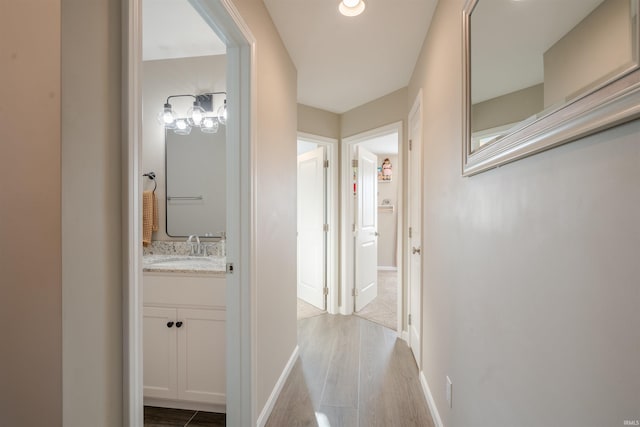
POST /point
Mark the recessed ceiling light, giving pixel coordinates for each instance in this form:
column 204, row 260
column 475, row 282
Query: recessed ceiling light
column 351, row 7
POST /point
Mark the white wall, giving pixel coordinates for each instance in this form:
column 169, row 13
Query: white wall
column 530, row 291
column 30, row 229
column 161, row 79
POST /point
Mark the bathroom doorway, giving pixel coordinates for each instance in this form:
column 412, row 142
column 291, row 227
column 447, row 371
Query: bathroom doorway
column 231, row 314
column 372, row 213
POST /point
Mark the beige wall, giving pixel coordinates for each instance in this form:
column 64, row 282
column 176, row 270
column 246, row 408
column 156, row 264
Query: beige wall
column 388, row 109
column 91, row 213
column 66, row 313
column 172, row 77
column 530, row 270
column 318, row 122
column 598, row 45
column 276, row 201
column 30, row 231
column 507, row 109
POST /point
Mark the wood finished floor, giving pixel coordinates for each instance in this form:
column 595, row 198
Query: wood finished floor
column 351, row 372
column 169, row 417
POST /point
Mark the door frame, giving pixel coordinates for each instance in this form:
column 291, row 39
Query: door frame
column 347, row 212
column 241, row 390
column 415, row 109
column 331, row 145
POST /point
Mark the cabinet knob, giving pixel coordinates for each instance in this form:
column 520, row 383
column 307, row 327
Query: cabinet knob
column 169, row 324
column 178, row 324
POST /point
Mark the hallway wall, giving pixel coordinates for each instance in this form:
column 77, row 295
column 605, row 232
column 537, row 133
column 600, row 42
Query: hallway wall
column 91, row 213
column 530, row 289
column 30, row 230
column 318, row 122
column 276, row 181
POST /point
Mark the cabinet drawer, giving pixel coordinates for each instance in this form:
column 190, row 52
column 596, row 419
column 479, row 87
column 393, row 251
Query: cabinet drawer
column 188, row 290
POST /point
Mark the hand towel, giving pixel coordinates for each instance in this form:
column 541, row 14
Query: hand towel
column 149, row 216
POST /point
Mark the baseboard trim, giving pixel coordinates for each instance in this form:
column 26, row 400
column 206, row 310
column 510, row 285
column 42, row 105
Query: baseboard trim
column 268, row 407
column 430, row 401
column 183, row 404
column 382, row 268
column 405, row 336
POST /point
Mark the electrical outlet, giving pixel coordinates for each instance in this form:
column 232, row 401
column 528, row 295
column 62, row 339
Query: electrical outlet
column 449, row 392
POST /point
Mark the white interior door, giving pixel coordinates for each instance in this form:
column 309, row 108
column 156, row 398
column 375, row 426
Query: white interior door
column 415, row 233
column 366, row 253
column 311, row 231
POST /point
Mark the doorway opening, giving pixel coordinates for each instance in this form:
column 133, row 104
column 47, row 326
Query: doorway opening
column 372, row 225
column 238, row 329
column 317, row 280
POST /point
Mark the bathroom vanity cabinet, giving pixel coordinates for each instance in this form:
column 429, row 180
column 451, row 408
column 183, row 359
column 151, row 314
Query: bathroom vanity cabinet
column 184, row 340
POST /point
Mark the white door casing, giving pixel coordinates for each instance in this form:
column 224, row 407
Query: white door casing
column 366, row 239
column 415, row 230
column 311, row 232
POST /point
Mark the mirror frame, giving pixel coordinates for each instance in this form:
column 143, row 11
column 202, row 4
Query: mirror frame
column 611, row 103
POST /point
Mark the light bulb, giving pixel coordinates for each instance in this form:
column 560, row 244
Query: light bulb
column 209, row 125
column 182, row 127
column 167, row 116
column 351, row 3
column 195, row 114
column 222, row 113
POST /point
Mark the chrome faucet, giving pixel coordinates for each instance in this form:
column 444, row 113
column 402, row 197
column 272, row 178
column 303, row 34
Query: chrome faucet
column 194, row 248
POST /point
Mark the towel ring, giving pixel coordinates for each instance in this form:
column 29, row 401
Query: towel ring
column 152, row 177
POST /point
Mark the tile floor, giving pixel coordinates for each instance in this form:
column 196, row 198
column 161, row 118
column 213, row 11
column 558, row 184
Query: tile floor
column 169, row 417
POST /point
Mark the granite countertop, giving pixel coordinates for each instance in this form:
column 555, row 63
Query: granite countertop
column 184, row 264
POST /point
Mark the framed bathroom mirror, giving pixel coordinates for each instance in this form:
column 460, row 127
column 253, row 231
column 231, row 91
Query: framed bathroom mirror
column 537, row 74
column 196, row 183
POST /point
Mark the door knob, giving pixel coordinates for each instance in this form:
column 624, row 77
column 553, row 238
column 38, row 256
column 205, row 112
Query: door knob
column 169, row 324
column 415, row 250
column 178, row 324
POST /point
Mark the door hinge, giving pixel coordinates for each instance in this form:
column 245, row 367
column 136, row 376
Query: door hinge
column 354, row 163
column 410, row 232
column 410, row 145
column 409, row 320
column 325, row 291
column 353, row 228
column 229, row 268
column 325, row 228
column 354, row 292
column 326, row 163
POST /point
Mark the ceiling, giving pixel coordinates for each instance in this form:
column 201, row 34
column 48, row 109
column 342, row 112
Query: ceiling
column 344, row 62
column 173, row 29
column 341, row 62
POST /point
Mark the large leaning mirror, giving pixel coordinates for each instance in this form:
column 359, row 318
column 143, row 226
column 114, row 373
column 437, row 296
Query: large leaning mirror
column 540, row 73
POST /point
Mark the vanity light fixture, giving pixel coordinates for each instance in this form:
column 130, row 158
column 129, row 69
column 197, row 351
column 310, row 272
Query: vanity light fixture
column 200, row 115
column 351, row 7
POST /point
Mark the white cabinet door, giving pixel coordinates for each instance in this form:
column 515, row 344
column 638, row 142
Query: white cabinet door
column 201, row 356
column 159, row 352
